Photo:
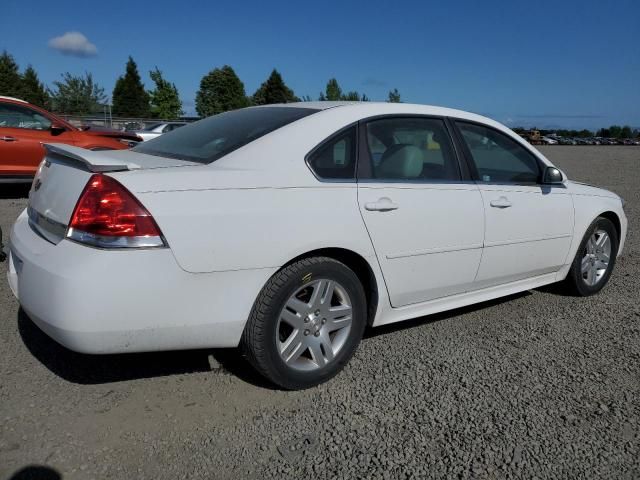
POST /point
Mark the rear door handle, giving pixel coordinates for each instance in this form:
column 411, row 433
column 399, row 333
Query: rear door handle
column 502, row 202
column 383, row 204
column 8, row 139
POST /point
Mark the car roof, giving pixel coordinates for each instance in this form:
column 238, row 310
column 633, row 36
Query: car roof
column 384, row 108
column 3, row 97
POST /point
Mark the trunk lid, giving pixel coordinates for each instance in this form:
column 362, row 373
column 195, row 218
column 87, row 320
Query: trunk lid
column 64, row 173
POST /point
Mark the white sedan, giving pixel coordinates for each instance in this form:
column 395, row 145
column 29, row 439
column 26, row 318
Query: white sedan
column 157, row 129
column 288, row 229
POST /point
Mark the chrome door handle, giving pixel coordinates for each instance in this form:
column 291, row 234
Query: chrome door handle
column 502, row 202
column 383, row 204
column 8, row 139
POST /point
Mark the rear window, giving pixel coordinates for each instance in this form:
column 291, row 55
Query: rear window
column 214, row 137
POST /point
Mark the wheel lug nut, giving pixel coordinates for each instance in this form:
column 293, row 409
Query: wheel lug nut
column 306, row 319
column 317, row 313
column 324, row 320
column 317, row 334
column 306, row 332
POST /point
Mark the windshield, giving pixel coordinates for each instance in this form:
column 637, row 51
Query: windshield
column 209, row 139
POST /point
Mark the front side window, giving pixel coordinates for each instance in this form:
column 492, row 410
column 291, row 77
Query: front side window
column 336, row 158
column 497, row 157
column 214, row 137
column 416, row 149
column 16, row 116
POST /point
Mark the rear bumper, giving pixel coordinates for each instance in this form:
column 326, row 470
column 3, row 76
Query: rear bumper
column 100, row 301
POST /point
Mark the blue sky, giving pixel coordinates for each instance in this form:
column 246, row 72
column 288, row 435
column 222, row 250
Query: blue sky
column 563, row 63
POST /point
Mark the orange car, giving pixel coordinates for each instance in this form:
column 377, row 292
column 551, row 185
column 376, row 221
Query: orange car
column 25, row 127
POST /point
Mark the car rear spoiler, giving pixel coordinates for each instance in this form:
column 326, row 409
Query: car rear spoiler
column 93, row 160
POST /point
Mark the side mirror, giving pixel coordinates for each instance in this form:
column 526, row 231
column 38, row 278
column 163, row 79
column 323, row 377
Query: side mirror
column 57, row 129
column 552, row 176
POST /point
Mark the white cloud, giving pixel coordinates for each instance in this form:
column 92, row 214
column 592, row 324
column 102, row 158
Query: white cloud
column 74, row 43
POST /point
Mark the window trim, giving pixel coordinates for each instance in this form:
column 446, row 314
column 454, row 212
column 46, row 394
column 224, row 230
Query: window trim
column 324, row 143
column 365, row 173
column 468, row 156
column 34, row 112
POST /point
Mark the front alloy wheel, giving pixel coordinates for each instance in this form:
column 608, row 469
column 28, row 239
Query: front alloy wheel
column 595, row 259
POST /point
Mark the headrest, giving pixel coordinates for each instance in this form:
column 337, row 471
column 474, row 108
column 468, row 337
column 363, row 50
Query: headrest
column 401, row 161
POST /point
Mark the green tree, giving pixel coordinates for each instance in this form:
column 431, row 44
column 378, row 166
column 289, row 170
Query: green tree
column 626, row 132
column 274, row 90
column 394, row 96
column 220, row 90
column 351, row 97
column 10, row 80
column 130, row 99
column 333, row 92
column 164, row 99
column 32, row 90
column 77, row 95
column 584, row 133
column 615, row 131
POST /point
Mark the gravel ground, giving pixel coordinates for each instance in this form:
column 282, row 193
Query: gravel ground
column 533, row 385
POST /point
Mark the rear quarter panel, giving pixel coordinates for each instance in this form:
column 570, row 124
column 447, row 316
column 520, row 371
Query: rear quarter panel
column 249, row 228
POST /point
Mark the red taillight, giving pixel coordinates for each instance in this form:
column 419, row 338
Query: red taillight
column 107, row 215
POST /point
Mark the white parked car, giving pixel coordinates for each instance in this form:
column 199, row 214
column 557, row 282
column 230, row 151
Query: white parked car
column 157, row 129
column 288, row 229
column 549, row 141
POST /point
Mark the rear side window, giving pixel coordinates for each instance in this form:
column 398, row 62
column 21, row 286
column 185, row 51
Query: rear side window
column 214, row 137
column 411, row 149
column 336, row 158
column 497, row 157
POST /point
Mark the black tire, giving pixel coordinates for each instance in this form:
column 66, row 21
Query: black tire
column 3, row 256
column 259, row 339
column 575, row 282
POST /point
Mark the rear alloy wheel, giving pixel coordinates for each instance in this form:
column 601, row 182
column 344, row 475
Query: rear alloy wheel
column 306, row 323
column 595, row 258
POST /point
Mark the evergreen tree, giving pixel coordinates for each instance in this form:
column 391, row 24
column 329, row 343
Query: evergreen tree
column 394, row 96
column 10, row 80
column 165, row 101
column 351, row 97
column 77, row 95
column 625, row 132
column 333, row 92
column 615, row 131
column 274, row 90
column 32, row 90
column 220, row 90
column 130, row 99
